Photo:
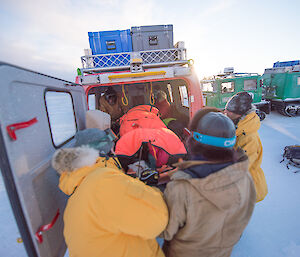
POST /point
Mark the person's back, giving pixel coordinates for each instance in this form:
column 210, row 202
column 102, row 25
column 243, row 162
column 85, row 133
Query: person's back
column 212, row 196
column 108, row 213
column 243, row 114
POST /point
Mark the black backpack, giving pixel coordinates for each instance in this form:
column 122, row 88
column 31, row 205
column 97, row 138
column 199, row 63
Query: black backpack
column 292, row 154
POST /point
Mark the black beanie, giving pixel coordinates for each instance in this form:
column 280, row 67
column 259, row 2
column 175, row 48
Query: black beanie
column 240, row 103
column 211, row 122
column 216, row 124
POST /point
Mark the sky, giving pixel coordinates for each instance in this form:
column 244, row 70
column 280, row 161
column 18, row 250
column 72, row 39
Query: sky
column 249, row 35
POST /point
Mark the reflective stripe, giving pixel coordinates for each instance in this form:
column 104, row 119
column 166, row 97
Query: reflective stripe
column 214, row 141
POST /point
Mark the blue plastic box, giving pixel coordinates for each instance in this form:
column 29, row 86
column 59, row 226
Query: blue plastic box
column 106, row 42
column 286, row 64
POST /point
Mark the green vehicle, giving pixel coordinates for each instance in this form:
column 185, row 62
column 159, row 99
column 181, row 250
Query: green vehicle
column 282, row 87
column 218, row 90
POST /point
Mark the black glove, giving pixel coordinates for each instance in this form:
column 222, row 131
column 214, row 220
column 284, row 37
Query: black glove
column 150, row 177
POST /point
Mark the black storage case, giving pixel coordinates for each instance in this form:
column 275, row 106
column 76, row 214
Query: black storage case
column 152, row 37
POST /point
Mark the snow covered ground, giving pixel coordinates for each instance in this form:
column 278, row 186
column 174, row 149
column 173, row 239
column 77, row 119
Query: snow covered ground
column 274, row 229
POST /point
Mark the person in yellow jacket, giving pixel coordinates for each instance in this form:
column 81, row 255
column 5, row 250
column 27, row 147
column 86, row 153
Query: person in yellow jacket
column 243, row 113
column 109, row 213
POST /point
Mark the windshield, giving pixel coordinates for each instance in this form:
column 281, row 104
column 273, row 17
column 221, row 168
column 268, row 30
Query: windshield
column 208, row 86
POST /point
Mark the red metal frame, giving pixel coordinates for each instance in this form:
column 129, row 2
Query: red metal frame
column 194, row 106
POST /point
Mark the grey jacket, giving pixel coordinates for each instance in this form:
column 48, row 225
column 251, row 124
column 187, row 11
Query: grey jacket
column 208, row 215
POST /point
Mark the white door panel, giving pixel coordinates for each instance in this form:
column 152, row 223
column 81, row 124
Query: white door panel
column 31, row 183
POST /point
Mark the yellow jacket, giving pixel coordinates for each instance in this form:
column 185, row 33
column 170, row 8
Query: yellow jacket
column 110, row 214
column 248, row 139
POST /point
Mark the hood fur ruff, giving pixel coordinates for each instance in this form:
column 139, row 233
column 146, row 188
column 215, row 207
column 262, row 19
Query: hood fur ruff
column 70, row 159
column 253, row 109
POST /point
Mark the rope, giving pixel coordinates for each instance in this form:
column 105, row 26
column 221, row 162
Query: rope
column 124, row 98
column 152, row 100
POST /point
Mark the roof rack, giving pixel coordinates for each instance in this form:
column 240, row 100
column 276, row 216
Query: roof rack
column 284, row 69
column 235, row 75
column 122, row 61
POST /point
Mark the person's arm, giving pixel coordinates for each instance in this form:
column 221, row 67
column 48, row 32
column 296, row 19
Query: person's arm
column 175, row 197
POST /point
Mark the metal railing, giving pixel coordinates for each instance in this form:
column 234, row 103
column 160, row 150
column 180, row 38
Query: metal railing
column 150, row 58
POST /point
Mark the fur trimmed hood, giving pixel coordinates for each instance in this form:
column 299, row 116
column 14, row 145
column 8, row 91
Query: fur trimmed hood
column 75, row 164
column 253, row 109
column 70, row 159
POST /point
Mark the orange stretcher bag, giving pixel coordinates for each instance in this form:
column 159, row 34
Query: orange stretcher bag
column 160, row 142
column 141, row 116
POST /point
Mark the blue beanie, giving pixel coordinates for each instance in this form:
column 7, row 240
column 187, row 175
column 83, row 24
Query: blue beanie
column 94, row 138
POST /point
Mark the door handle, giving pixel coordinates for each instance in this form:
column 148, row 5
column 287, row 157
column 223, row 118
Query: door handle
column 13, row 127
column 39, row 233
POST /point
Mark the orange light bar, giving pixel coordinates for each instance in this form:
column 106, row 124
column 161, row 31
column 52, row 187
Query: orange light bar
column 136, row 75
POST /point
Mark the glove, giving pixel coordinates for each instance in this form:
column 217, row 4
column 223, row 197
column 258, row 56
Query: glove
column 149, row 177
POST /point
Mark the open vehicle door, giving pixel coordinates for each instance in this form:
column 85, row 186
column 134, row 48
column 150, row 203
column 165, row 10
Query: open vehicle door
column 38, row 115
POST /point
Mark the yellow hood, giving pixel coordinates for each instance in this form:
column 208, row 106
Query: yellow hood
column 70, row 180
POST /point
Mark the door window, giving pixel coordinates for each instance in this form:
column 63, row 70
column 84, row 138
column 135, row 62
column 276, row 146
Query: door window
column 170, row 93
column 227, row 87
column 184, row 96
column 92, row 102
column 61, row 116
column 208, row 87
column 250, row 84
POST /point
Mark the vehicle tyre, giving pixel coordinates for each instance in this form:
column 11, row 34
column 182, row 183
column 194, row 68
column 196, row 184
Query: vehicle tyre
column 291, row 110
column 281, row 108
column 261, row 114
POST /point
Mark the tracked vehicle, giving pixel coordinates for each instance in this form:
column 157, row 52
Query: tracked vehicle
column 282, row 87
column 136, row 75
column 40, row 114
column 218, row 90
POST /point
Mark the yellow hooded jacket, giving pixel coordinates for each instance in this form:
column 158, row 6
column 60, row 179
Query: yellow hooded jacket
column 110, row 214
column 248, row 139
